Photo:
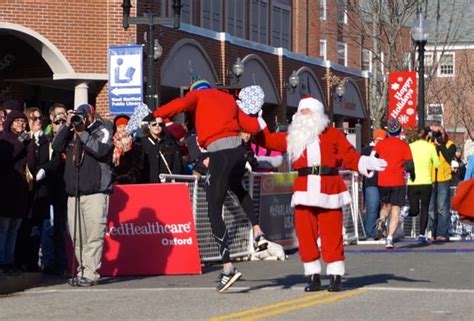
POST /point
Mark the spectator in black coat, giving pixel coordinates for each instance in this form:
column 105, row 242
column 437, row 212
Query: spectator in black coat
column 161, row 155
column 16, row 158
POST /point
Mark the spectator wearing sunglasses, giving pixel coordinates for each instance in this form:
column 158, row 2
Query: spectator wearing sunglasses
column 55, row 110
column 54, row 260
column 29, row 233
column 161, row 154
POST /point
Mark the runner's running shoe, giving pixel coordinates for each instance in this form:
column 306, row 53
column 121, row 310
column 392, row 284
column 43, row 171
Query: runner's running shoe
column 379, row 229
column 389, row 243
column 226, row 280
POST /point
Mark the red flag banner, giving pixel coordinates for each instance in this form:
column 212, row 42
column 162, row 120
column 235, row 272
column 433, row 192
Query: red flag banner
column 402, row 97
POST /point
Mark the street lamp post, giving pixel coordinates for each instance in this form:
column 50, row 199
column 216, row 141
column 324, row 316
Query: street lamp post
column 153, row 48
column 420, row 32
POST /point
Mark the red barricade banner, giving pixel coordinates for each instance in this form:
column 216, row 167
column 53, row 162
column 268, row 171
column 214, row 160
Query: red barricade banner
column 402, row 97
column 150, row 230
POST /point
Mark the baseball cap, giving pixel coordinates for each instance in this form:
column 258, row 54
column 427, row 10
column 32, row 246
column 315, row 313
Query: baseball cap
column 85, row 109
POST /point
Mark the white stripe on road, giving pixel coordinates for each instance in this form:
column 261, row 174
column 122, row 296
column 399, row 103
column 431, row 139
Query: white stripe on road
column 233, row 289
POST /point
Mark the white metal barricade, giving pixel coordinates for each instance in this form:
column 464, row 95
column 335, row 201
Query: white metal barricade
column 238, row 227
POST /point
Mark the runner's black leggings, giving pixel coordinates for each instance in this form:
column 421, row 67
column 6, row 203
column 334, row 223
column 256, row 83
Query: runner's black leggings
column 419, row 197
column 226, row 168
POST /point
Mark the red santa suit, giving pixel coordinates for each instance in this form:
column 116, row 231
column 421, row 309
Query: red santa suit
column 318, row 199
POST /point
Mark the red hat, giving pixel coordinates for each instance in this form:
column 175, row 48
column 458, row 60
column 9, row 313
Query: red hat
column 176, row 130
column 121, row 121
column 380, row 134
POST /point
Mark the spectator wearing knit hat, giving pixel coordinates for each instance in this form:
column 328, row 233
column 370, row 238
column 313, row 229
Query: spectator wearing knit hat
column 391, row 182
column 371, row 190
column 127, row 156
column 17, row 154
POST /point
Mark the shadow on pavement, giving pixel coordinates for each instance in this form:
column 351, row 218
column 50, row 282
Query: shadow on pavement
column 347, row 282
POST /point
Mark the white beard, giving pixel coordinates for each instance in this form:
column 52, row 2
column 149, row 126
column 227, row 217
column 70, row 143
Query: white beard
column 304, row 130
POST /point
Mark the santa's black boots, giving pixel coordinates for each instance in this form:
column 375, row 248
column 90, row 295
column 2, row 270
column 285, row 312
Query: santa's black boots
column 314, row 283
column 334, row 283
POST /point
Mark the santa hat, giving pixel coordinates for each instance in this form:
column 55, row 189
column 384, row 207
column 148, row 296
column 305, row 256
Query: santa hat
column 310, row 103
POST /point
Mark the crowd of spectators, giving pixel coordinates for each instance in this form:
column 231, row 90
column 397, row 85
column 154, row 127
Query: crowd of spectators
column 33, row 227
column 427, row 174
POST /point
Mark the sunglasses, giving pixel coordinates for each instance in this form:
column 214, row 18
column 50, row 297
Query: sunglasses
column 153, row 124
column 59, row 122
column 34, row 118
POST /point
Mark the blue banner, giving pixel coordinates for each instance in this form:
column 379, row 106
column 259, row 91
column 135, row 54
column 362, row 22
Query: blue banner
column 125, row 78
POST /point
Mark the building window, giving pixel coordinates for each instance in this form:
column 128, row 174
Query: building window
column 342, row 11
column 446, row 64
column 322, row 9
column 186, row 10
column 323, row 49
column 342, row 53
column 281, row 26
column 434, row 113
column 211, row 15
column 366, row 64
column 236, row 18
column 428, row 63
column 259, row 21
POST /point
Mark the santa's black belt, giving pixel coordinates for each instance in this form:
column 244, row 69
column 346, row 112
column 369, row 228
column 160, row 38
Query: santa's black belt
column 318, row 170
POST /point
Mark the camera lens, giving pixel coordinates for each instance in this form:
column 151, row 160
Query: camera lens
column 77, row 120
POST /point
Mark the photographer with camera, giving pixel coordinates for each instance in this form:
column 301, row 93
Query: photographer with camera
column 439, row 210
column 88, row 145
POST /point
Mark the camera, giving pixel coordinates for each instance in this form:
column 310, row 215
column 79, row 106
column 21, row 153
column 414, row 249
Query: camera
column 436, row 136
column 78, row 118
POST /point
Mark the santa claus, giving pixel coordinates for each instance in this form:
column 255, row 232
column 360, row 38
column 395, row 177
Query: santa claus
column 317, row 151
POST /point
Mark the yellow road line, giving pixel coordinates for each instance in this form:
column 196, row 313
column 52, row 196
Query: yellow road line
column 304, row 305
column 288, row 306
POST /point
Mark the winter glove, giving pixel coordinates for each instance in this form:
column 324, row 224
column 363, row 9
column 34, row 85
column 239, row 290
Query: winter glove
column 40, row 175
column 371, row 163
column 251, row 99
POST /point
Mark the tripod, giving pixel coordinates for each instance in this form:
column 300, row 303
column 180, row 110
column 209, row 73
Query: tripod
column 77, row 218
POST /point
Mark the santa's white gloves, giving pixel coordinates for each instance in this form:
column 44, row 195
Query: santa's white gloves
column 368, row 164
column 261, row 122
column 40, row 175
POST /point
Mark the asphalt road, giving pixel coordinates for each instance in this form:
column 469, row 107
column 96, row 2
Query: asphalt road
column 434, row 282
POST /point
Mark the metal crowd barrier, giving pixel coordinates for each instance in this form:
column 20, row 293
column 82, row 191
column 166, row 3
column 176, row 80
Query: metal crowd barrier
column 240, row 231
column 238, row 227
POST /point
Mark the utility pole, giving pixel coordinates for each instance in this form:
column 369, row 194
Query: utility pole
column 153, row 48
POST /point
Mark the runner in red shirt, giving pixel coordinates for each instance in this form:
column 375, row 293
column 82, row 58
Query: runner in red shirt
column 391, row 182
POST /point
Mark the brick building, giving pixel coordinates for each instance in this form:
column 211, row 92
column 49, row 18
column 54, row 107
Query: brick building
column 57, row 51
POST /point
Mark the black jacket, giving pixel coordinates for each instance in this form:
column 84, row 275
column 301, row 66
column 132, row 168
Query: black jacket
column 15, row 155
column 153, row 164
column 89, row 155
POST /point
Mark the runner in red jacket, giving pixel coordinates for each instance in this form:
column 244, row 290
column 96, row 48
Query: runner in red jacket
column 218, row 122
